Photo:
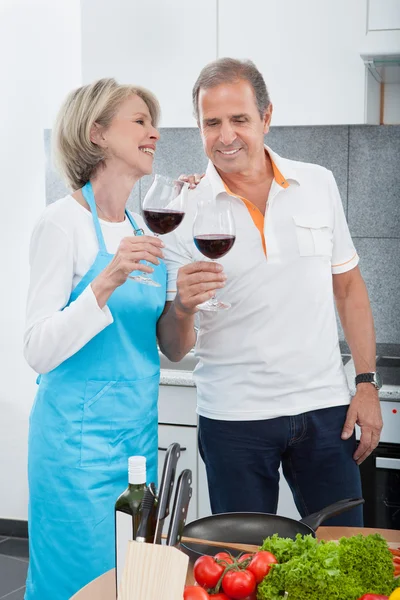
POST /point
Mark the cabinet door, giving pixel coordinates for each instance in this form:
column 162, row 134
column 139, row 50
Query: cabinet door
column 177, row 405
column 383, row 15
column 158, row 44
column 186, row 437
column 308, row 53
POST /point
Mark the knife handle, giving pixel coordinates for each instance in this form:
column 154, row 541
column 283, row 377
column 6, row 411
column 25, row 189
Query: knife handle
column 146, row 508
column 167, row 480
column 180, row 508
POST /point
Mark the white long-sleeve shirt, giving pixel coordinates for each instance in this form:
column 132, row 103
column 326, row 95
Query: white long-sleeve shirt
column 63, row 248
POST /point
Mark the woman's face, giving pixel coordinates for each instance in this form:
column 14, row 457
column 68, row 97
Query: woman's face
column 131, row 139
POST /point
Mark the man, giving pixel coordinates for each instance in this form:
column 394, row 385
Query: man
column 270, row 381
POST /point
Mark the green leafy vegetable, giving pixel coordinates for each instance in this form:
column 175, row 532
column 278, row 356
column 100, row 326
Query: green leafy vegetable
column 312, row 570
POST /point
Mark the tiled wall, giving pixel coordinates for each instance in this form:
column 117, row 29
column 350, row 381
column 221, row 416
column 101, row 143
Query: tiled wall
column 366, row 163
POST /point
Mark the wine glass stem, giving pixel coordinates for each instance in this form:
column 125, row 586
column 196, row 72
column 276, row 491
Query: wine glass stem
column 213, row 300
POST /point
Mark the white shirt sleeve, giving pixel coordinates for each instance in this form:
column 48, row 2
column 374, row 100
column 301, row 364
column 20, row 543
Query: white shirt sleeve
column 344, row 254
column 54, row 331
column 176, row 255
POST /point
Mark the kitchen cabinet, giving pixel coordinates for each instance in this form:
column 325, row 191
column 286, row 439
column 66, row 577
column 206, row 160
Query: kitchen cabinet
column 383, row 15
column 158, row 44
column 308, row 53
column 178, row 423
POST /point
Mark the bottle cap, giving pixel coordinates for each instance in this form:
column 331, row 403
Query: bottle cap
column 137, row 469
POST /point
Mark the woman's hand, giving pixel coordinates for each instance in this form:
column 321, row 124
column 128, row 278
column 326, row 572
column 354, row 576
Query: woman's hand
column 192, row 180
column 196, row 283
column 131, row 251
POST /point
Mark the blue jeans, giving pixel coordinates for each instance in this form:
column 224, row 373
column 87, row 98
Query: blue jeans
column 242, row 459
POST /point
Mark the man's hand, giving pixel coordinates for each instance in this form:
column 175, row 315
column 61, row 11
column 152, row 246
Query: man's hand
column 192, row 180
column 196, row 283
column 365, row 410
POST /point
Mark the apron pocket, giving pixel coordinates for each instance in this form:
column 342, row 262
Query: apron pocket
column 115, row 414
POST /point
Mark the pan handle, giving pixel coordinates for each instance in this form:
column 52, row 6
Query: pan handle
column 315, row 520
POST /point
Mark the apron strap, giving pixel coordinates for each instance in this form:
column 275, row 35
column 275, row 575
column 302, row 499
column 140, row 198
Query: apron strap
column 137, row 230
column 88, row 194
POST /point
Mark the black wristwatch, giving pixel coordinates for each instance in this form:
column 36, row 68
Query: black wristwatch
column 373, row 378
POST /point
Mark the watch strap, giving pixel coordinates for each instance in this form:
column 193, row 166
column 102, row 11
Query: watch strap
column 367, row 378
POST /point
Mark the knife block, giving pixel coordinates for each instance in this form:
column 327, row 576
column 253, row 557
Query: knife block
column 153, row 572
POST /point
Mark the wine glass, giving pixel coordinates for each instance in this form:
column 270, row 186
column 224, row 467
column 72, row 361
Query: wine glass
column 214, row 234
column 163, row 210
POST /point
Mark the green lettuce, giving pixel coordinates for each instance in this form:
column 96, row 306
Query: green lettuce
column 312, row 570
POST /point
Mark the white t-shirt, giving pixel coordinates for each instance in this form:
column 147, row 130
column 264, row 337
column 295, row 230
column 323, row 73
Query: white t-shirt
column 62, row 250
column 275, row 352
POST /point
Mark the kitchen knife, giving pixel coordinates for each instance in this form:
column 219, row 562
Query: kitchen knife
column 180, row 509
column 145, row 509
column 166, row 486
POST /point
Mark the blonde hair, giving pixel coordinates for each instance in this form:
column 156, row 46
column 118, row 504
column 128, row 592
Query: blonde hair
column 74, row 154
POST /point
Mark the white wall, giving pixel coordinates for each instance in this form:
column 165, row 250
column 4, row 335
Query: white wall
column 40, row 63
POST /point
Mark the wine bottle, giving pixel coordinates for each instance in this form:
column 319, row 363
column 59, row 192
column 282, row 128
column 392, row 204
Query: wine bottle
column 127, row 511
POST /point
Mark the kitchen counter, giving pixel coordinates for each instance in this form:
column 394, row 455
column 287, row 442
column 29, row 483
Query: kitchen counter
column 181, row 374
column 103, row 588
column 177, row 377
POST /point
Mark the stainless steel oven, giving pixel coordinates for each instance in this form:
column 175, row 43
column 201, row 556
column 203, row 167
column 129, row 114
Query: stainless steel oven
column 380, row 473
column 380, row 476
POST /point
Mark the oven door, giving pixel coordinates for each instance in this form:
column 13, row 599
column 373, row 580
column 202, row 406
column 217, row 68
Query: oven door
column 380, row 476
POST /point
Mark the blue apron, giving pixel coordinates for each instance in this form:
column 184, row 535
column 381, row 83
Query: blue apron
column 90, row 414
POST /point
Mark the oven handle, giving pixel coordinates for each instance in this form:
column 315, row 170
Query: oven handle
column 388, row 463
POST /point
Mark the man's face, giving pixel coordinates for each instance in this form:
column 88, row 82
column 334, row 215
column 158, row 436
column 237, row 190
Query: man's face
column 231, row 127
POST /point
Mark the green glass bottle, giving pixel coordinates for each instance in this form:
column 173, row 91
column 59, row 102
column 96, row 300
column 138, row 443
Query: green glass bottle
column 127, row 511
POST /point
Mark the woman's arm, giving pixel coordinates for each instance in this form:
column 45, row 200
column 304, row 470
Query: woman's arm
column 54, row 331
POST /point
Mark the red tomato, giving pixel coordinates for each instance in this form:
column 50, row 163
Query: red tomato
column 194, row 592
column 219, row 596
column 224, row 556
column 245, row 556
column 373, row 597
column 261, row 564
column 207, row 571
column 238, row 584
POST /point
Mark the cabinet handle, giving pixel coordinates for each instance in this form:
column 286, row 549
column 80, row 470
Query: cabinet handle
column 165, row 449
column 388, row 463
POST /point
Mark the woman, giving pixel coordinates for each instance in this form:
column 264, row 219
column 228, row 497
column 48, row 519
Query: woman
column 91, row 333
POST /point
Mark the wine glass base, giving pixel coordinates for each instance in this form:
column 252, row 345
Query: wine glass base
column 144, row 280
column 214, row 305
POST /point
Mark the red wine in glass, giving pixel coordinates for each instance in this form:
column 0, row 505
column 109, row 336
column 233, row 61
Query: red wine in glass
column 214, row 245
column 163, row 210
column 214, row 234
column 162, row 220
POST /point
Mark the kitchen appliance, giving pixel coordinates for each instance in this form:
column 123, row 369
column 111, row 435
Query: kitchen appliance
column 253, row 528
column 380, row 472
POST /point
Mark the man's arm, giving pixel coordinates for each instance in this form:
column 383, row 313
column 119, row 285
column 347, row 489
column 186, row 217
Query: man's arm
column 196, row 283
column 175, row 332
column 356, row 317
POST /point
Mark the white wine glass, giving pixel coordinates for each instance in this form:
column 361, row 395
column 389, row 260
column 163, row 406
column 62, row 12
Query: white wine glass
column 214, row 234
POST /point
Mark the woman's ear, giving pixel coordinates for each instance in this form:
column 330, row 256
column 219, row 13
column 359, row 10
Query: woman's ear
column 97, row 137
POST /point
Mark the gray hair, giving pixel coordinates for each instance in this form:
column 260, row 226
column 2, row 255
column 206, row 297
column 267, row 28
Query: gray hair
column 231, row 70
column 74, row 154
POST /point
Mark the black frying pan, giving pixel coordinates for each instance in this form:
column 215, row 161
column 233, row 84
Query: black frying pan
column 253, row 528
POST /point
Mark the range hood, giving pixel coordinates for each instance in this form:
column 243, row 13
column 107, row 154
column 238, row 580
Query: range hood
column 385, row 67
